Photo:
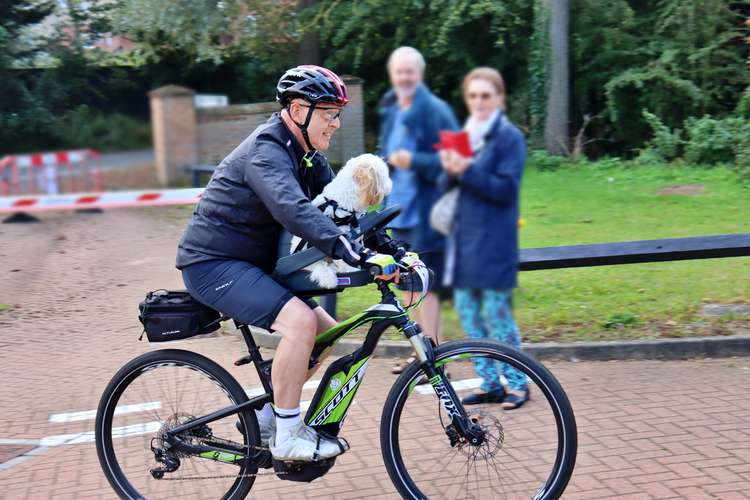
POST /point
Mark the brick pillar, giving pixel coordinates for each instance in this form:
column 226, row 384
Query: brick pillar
column 350, row 138
column 175, row 135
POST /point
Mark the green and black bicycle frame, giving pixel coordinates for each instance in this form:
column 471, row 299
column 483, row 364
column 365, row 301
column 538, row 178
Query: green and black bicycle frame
column 339, row 384
column 337, row 387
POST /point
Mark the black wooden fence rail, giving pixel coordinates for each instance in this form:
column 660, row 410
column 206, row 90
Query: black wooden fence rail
column 625, row 252
column 634, row 252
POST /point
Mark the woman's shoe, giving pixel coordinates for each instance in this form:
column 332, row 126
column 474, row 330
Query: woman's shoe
column 513, row 401
column 401, row 365
column 478, row 398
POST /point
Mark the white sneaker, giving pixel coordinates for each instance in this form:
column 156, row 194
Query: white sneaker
column 306, row 445
column 267, row 432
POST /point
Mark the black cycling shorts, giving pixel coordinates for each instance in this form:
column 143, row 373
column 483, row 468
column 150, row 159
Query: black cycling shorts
column 238, row 289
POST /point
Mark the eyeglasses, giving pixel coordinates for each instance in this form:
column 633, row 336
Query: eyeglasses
column 329, row 117
column 483, row 96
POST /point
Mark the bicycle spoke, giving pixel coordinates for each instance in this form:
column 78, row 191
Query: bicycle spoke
column 514, row 459
column 181, row 393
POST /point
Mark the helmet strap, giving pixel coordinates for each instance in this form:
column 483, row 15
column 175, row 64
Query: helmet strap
column 303, row 127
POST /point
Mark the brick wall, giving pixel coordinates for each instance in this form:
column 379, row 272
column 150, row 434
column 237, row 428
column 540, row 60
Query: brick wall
column 184, row 135
column 220, row 130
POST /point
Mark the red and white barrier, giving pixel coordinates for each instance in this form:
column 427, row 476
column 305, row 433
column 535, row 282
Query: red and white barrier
column 41, row 171
column 112, row 199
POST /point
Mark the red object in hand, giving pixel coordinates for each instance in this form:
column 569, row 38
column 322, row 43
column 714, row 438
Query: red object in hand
column 457, row 141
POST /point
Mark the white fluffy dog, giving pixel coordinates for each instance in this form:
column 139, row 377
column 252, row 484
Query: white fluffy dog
column 362, row 182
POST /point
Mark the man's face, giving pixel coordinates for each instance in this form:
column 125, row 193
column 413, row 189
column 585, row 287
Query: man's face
column 405, row 75
column 325, row 121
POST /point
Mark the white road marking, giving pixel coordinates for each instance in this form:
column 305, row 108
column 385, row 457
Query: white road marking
column 89, row 437
column 39, row 450
column 33, row 442
column 77, row 416
column 117, row 432
column 458, row 385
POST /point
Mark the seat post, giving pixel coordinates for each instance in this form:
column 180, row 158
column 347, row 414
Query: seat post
column 252, row 347
column 262, row 367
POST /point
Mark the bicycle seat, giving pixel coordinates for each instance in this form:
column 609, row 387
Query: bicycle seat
column 368, row 224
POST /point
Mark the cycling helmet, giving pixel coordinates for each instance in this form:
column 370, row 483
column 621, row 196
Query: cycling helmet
column 315, row 85
column 312, row 83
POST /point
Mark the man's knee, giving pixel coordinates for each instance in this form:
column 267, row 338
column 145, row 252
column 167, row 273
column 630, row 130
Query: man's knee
column 296, row 322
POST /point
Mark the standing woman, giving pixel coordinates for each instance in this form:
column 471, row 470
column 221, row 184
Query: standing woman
column 482, row 252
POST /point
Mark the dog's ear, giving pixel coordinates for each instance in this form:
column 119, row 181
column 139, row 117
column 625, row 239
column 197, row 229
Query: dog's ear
column 368, row 181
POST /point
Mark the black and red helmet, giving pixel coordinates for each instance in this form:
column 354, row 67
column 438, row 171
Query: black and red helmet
column 312, row 83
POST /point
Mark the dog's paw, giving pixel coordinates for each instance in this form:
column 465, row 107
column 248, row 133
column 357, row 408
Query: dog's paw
column 323, row 274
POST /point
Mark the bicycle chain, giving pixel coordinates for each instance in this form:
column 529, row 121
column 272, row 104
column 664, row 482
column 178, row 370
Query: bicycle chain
column 226, row 476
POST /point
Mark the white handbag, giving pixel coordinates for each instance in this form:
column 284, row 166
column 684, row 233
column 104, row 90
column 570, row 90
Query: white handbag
column 444, row 211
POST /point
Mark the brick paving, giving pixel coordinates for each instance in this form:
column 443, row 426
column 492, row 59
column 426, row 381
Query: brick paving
column 647, row 429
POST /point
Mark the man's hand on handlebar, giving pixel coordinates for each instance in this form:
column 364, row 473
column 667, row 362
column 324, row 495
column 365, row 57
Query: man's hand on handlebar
column 382, row 266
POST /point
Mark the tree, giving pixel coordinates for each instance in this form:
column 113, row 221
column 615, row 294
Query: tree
column 205, row 30
column 20, row 112
column 453, row 35
column 309, row 47
column 556, row 135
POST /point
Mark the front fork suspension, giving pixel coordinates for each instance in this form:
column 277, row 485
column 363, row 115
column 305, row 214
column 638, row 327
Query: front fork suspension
column 424, row 347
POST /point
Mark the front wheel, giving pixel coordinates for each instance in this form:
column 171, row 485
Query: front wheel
column 528, row 452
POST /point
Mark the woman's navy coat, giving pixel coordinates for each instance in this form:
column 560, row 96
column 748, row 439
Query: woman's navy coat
column 486, row 224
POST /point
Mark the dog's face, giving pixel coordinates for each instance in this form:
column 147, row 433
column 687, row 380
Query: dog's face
column 372, row 179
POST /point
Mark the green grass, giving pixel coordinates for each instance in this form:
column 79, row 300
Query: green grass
column 611, row 201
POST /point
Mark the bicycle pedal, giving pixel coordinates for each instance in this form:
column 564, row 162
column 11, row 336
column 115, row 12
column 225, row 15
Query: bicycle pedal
column 243, row 360
column 304, row 472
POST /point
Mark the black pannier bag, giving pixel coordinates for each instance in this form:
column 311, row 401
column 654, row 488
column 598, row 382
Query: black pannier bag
column 174, row 315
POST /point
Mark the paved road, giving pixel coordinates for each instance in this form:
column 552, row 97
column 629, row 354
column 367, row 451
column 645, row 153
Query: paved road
column 647, row 429
column 125, row 159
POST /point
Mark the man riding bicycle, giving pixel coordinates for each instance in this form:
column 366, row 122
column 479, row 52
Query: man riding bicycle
column 230, row 246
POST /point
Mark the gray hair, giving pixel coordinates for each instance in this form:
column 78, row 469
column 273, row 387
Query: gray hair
column 407, row 51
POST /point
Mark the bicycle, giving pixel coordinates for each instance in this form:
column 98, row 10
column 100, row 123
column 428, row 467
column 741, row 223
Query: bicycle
column 443, row 449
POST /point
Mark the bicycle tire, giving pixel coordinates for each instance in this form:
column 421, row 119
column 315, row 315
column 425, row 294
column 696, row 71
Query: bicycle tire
column 127, row 374
column 553, row 391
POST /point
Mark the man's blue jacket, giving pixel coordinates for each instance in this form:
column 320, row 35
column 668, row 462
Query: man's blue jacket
column 427, row 115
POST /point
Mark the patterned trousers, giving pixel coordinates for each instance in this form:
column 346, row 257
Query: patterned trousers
column 487, row 314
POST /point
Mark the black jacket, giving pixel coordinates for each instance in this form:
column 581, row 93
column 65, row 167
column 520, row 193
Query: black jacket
column 260, row 188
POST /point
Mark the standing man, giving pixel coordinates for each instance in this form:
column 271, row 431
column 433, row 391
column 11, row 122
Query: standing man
column 410, row 118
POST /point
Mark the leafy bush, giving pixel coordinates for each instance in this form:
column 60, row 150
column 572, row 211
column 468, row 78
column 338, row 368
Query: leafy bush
column 742, row 158
column 712, row 140
column 666, row 142
column 540, row 159
column 743, row 107
column 84, row 127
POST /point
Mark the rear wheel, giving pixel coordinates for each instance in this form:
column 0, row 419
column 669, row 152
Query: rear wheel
column 528, row 452
column 156, row 392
